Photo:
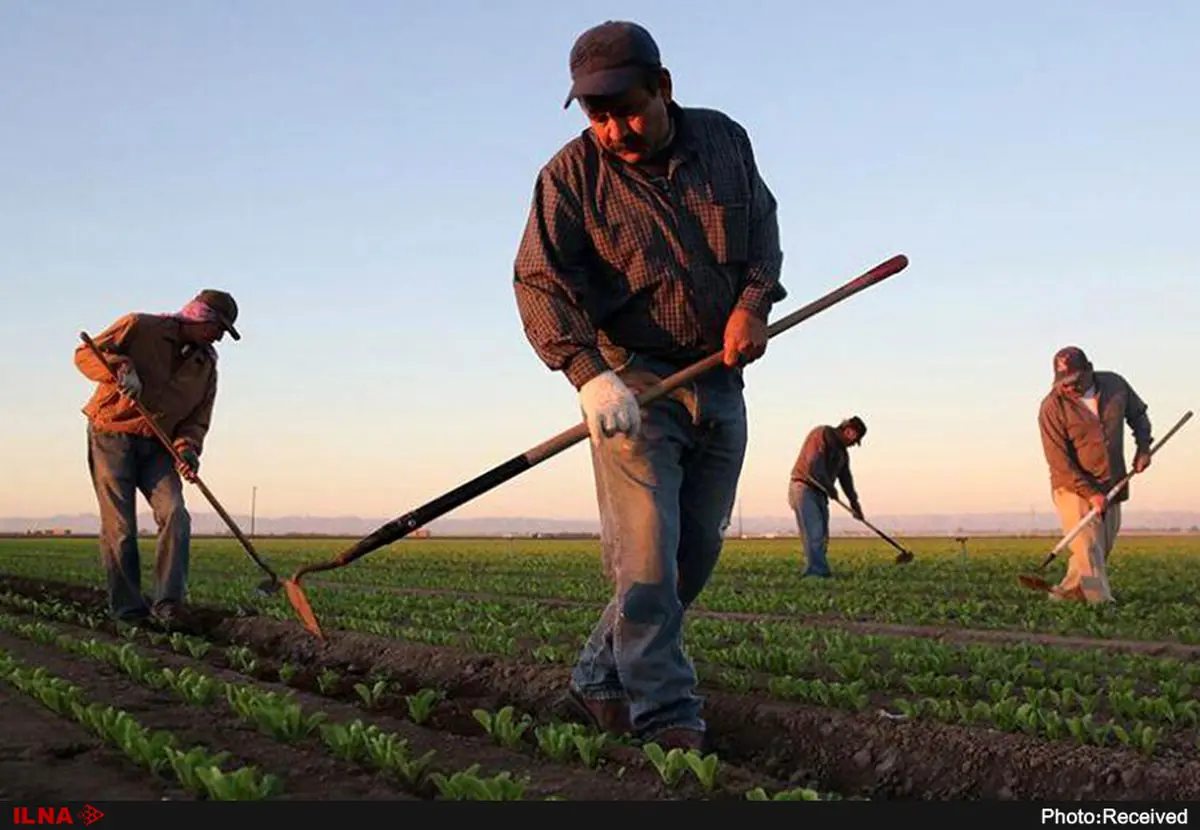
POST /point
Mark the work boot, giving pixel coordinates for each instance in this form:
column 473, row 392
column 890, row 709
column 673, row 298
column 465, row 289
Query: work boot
column 679, row 738
column 610, row 716
column 1075, row 593
column 166, row 615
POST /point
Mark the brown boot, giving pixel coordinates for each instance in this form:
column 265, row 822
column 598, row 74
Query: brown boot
column 610, row 716
column 1074, row 594
column 679, row 738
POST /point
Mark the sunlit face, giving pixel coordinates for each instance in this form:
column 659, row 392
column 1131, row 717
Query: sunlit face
column 203, row 333
column 633, row 126
column 851, row 436
column 1077, row 385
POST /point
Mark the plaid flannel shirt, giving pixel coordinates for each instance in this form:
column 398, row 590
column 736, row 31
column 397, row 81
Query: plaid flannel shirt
column 613, row 261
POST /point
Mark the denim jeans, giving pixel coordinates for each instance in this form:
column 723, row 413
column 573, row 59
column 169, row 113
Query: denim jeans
column 663, row 500
column 121, row 466
column 811, row 508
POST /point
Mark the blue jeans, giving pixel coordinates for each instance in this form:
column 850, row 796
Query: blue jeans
column 663, row 499
column 812, row 520
column 121, row 466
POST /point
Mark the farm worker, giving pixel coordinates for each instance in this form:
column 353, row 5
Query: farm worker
column 823, row 459
column 1083, row 440
column 652, row 242
column 168, row 363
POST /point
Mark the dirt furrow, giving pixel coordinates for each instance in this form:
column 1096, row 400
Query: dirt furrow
column 946, row 633
column 951, row 634
column 452, row 732
column 854, row 754
column 308, row 772
column 50, row 759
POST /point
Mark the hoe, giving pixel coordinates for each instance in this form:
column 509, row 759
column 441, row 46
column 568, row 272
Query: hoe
column 268, row 586
column 1037, row 583
column 903, row 557
column 402, row 526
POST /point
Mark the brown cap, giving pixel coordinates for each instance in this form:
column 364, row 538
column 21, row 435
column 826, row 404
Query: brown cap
column 1069, row 362
column 224, row 305
column 857, row 424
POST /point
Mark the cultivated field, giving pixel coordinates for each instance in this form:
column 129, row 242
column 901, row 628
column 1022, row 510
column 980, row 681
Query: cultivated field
column 942, row 679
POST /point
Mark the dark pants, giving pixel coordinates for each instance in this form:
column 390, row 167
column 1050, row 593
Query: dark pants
column 663, row 500
column 121, row 466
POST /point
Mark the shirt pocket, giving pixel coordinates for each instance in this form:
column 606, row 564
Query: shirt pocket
column 722, row 207
column 633, row 247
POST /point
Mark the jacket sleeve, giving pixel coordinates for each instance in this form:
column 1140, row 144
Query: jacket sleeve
column 846, row 479
column 113, row 340
column 1138, row 419
column 1056, row 448
column 194, row 427
column 761, row 288
column 551, row 282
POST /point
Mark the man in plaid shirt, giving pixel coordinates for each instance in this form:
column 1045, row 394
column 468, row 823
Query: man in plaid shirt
column 652, row 242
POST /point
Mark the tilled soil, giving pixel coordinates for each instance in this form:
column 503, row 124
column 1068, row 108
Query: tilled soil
column 46, row 759
column 310, row 771
column 862, row 754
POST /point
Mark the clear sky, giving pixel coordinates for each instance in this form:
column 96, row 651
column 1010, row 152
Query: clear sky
column 358, row 175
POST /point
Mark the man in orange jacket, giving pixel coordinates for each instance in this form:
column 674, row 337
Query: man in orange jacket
column 168, row 363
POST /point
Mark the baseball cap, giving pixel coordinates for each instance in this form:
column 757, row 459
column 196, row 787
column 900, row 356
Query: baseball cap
column 1069, row 361
column 857, row 424
column 225, row 307
column 609, row 58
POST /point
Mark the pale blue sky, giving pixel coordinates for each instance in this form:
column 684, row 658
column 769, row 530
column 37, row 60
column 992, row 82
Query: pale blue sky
column 358, row 175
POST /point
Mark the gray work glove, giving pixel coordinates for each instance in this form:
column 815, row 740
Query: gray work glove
column 128, row 381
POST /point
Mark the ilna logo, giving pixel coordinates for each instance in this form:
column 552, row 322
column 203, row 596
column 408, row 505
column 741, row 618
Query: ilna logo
column 56, row 815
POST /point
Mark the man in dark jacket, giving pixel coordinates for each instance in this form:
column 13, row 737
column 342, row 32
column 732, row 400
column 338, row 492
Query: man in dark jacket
column 1082, row 422
column 824, row 458
column 652, row 242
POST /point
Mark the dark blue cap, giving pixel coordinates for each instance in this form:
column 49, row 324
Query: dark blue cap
column 610, row 58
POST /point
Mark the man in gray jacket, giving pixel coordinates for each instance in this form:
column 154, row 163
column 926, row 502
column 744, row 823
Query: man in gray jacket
column 1082, row 427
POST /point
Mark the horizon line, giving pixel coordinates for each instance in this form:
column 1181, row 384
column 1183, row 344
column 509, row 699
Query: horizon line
column 593, row 518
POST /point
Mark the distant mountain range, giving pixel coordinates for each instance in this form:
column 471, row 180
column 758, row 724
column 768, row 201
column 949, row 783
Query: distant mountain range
column 356, row 526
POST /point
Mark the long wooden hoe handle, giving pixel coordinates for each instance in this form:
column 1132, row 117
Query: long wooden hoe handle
column 400, row 527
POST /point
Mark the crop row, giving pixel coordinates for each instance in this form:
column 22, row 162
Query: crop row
column 197, row 770
column 773, row 648
column 918, row 665
column 521, row 628
column 1003, row 689
column 283, row 719
column 1156, row 584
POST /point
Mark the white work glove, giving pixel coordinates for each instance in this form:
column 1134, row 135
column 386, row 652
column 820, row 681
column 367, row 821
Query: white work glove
column 610, row 407
column 128, row 381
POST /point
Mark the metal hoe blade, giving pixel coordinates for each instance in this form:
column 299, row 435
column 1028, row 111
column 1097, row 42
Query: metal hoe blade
column 1034, row 583
column 301, row 606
